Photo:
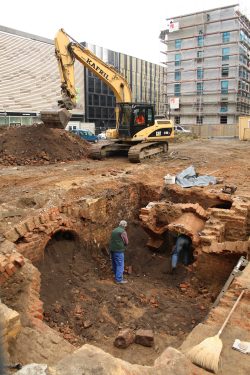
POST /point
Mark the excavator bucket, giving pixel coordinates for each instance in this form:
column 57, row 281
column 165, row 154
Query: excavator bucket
column 55, row 119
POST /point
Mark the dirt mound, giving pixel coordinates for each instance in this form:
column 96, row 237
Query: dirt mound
column 38, row 145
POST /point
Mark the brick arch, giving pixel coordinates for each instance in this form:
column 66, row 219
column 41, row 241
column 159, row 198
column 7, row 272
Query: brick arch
column 32, row 236
column 70, row 232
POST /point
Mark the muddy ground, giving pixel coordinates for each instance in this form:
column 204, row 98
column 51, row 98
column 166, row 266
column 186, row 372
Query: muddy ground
column 91, row 308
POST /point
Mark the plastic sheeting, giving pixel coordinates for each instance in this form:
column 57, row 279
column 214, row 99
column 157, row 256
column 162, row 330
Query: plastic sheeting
column 189, row 178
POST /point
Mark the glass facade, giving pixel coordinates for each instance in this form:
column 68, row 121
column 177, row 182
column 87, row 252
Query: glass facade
column 145, row 79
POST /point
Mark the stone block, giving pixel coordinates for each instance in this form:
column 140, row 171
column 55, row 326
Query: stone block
column 144, row 337
column 11, row 321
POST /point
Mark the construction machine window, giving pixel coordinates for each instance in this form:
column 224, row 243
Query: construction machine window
column 139, row 116
column 125, row 115
column 150, row 116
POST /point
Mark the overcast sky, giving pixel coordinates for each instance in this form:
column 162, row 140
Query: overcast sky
column 129, row 26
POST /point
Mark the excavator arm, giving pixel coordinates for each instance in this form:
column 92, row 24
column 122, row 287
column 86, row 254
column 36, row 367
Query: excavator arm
column 67, row 50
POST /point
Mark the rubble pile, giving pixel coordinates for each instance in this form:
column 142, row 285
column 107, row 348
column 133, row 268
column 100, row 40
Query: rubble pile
column 39, row 145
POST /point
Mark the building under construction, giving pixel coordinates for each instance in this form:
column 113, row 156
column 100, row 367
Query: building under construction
column 208, row 66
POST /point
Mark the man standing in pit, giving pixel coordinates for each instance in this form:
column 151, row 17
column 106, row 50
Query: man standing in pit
column 181, row 252
column 117, row 246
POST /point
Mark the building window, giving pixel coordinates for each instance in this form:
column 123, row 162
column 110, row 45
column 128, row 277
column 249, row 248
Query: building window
column 199, row 120
column 224, row 107
column 177, row 120
column 225, row 71
column 225, row 54
column 224, row 87
column 177, row 89
column 178, row 43
column 226, row 37
column 177, row 59
column 199, row 88
column 199, row 54
column 199, row 73
column 200, row 40
column 177, row 75
column 223, row 119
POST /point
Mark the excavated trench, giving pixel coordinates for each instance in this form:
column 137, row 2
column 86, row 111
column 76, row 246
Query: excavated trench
column 78, row 297
column 82, row 302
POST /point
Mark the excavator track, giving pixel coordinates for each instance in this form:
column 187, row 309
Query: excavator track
column 146, row 150
column 106, row 148
column 135, row 153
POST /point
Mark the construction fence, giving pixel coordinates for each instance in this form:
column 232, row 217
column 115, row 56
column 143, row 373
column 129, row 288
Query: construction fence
column 220, row 130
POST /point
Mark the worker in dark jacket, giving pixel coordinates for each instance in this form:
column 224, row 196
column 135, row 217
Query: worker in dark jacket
column 117, row 246
column 182, row 252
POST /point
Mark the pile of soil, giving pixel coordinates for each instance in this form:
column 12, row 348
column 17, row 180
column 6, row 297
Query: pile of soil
column 82, row 302
column 37, row 144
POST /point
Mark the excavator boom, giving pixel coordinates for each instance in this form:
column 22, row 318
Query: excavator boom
column 67, row 50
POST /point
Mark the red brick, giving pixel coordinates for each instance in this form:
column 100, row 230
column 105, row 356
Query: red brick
column 36, row 221
column 21, row 229
column 53, row 215
column 3, row 278
column 38, row 315
column 17, row 259
column 10, row 269
column 30, row 225
column 3, row 264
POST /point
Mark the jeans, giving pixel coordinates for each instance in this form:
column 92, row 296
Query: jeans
column 176, row 256
column 181, row 252
column 117, row 265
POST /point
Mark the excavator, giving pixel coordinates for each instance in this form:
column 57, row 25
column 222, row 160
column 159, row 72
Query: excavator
column 138, row 139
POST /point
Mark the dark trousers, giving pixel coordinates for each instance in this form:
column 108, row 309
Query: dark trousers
column 182, row 252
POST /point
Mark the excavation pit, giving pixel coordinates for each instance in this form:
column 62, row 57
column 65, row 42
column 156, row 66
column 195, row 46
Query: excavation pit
column 84, row 305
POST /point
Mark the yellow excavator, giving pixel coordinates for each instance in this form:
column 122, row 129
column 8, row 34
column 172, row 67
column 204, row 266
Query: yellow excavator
column 136, row 133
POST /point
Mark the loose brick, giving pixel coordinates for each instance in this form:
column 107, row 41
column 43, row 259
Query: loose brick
column 124, row 338
column 144, row 337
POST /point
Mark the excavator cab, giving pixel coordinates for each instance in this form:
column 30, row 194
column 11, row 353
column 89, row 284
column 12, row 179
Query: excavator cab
column 134, row 117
